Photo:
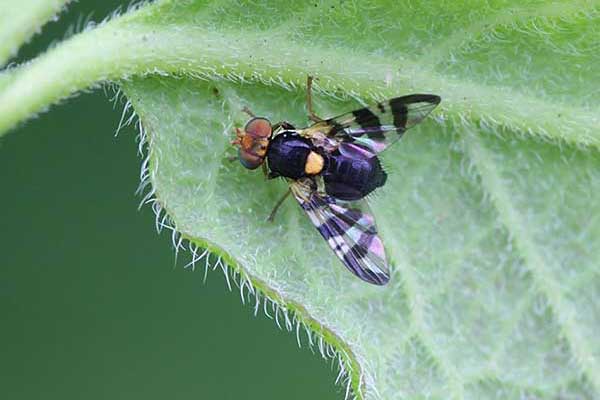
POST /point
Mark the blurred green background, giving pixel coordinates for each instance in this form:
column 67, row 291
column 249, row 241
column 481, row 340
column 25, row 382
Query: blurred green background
column 92, row 303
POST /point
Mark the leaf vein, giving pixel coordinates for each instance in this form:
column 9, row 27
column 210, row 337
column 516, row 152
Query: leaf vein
column 542, row 277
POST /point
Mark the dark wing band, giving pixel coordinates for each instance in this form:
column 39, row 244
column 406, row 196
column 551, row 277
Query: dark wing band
column 350, row 232
column 379, row 126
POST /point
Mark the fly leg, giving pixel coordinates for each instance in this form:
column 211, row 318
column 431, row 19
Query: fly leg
column 311, row 115
column 236, row 141
column 247, row 111
column 279, row 203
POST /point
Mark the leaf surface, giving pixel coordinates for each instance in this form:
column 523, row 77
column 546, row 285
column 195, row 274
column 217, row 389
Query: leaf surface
column 493, row 238
column 491, row 213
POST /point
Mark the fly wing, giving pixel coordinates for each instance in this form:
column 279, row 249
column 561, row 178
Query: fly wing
column 350, row 231
column 375, row 128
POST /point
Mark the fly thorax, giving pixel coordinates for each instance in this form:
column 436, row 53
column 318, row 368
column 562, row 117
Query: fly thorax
column 288, row 154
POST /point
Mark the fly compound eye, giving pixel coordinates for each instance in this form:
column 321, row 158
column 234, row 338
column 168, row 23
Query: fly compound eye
column 249, row 159
column 253, row 142
column 258, row 128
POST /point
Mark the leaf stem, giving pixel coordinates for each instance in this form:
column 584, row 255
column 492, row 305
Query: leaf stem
column 22, row 19
column 122, row 48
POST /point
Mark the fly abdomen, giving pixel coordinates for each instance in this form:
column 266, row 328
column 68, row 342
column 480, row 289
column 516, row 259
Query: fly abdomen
column 351, row 178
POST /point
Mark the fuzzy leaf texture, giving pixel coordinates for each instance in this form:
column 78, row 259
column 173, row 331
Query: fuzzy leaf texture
column 21, row 19
column 491, row 212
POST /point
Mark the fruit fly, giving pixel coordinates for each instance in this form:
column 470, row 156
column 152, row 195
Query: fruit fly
column 331, row 166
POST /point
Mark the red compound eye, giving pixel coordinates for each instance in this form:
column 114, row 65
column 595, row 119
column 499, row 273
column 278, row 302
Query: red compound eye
column 249, row 160
column 259, row 128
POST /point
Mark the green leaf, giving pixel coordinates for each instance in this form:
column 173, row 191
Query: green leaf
column 19, row 20
column 491, row 214
column 494, row 240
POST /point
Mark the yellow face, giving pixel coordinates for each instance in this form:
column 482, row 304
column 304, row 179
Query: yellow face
column 254, row 142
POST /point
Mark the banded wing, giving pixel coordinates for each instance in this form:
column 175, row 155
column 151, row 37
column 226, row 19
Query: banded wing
column 350, row 232
column 375, row 128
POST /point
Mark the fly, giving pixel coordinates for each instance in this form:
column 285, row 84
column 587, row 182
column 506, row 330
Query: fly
column 331, row 166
